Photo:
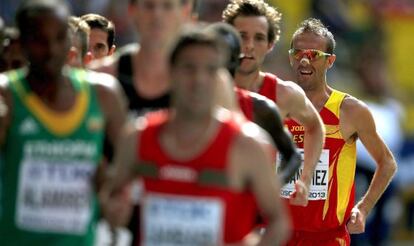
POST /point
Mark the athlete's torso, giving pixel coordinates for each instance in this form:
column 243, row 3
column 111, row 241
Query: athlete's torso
column 48, row 161
column 269, row 87
column 137, row 104
column 245, row 102
column 190, row 202
column 332, row 189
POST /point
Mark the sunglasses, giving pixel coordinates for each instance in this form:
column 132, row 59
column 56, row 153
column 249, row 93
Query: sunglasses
column 311, row 54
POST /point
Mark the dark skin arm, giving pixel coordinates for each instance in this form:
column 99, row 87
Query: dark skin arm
column 266, row 115
column 113, row 106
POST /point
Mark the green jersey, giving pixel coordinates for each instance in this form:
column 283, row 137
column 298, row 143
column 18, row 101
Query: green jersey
column 48, row 162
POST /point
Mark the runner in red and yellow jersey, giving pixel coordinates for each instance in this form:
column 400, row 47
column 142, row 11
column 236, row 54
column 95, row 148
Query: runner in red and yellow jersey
column 331, row 215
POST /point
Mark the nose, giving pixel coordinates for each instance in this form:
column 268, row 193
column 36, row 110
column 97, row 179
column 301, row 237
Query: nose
column 248, row 44
column 304, row 61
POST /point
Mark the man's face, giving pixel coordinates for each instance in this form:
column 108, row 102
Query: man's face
column 98, row 45
column 310, row 72
column 194, row 76
column 255, row 43
column 46, row 43
column 157, row 21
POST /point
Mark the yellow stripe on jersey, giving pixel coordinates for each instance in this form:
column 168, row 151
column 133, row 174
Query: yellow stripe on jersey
column 333, row 131
column 334, row 102
column 345, row 173
column 58, row 123
column 326, row 204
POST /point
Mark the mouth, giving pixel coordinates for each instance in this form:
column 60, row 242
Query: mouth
column 245, row 56
column 305, row 72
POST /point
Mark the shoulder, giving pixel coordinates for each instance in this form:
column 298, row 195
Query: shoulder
column 353, row 108
column 101, row 81
column 355, row 117
column 108, row 90
column 251, row 138
column 288, row 89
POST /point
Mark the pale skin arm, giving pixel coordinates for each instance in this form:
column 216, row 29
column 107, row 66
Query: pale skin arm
column 260, row 179
column 294, row 104
column 359, row 118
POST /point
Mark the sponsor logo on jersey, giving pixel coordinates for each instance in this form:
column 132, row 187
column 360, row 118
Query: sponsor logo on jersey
column 28, row 127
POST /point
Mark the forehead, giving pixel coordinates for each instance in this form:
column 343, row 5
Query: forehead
column 309, row 40
column 251, row 24
column 199, row 52
column 46, row 20
column 98, row 34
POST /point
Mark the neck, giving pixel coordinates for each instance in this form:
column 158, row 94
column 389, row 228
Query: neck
column 251, row 81
column 189, row 131
column 44, row 85
column 319, row 96
column 151, row 61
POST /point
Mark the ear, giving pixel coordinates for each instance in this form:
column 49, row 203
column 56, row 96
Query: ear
column 331, row 59
column 291, row 60
column 72, row 57
column 87, row 58
column 111, row 50
column 270, row 47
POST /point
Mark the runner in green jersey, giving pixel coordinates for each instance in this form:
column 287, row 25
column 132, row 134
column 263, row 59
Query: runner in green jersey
column 52, row 123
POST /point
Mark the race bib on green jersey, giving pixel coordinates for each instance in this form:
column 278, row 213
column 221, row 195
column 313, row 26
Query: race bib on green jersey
column 54, row 196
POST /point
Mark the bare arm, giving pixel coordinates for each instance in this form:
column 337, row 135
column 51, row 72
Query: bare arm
column 5, row 108
column 113, row 104
column 266, row 115
column 260, row 179
column 114, row 197
column 357, row 114
column 295, row 102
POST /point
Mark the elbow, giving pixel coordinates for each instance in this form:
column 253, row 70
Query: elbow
column 393, row 168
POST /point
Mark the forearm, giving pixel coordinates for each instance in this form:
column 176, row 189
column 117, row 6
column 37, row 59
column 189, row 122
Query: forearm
column 380, row 181
column 277, row 231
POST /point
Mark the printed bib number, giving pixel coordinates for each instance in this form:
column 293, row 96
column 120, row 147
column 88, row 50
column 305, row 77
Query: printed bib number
column 171, row 221
column 318, row 189
column 54, row 197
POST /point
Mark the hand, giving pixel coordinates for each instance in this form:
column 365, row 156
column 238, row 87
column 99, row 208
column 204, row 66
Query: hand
column 116, row 206
column 356, row 223
column 301, row 194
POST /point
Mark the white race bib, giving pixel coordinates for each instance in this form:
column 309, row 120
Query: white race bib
column 54, row 197
column 318, row 189
column 169, row 220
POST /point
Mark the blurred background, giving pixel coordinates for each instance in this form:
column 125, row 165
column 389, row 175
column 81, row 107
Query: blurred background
column 375, row 48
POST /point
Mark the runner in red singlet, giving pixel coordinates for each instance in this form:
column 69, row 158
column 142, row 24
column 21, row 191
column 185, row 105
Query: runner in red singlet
column 258, row 24
column 200, row 187
column 255, row 107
